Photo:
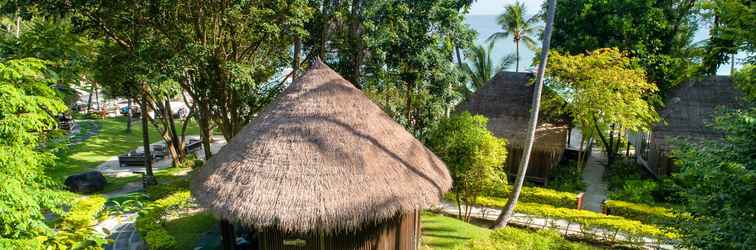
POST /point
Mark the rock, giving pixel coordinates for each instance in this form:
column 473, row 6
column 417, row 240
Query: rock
column 88, row 182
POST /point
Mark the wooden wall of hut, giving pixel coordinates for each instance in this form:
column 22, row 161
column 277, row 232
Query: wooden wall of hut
column 400, row 233
column 659, row 161
column 541, row 163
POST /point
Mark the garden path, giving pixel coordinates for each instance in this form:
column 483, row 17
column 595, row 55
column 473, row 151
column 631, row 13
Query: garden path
column 593, row 175
column 564, row 227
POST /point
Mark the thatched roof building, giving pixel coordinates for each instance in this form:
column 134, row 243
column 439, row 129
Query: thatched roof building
column 689, row 110
column 506, row 101
column 322, row 159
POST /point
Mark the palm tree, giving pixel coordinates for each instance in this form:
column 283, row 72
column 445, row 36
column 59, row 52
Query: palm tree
column 481, row 68
column 514, row 23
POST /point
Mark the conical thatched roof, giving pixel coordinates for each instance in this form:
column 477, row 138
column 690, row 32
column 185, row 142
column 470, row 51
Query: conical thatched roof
column 322, row 157
column 506, row 101
column 691, row 107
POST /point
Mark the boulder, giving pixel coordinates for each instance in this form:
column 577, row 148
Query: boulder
column 86, row 183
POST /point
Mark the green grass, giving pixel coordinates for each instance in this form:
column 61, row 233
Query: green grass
column 188, row 229
column 442, row 232
column 111, row 140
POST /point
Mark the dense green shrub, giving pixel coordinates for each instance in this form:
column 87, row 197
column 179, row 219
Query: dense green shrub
column 75, row 229
column 516, row 239
column 151, row 221
column 621, row 171
column 639, row 191
column 159, row 239
column 641, row 212
column 473, row 155
column 567, row 177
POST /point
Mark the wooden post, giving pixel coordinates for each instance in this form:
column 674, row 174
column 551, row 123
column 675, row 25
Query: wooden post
column 228, row 240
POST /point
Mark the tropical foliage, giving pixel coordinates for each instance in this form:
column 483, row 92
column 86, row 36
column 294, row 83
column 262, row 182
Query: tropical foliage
column 482, row 67
column 718, row 185
column 605, row 91
column 28, row 114
column 472, row 153
column 657, row 34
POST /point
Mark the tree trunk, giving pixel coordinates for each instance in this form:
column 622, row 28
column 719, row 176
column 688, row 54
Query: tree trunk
column 508, row 211
column 89, row 99
column 128, row 112
column 205, row 131
column 176, row 143
column 517, row 55
column 459, row 55
column 18, row 24
column 297, row 59
column 149, row 175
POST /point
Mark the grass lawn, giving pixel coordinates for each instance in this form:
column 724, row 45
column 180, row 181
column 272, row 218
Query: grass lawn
column 442, row 232
column 187, row 230
column 111, row 140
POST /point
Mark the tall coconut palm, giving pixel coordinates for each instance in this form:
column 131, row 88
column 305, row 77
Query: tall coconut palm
column 514, row 23
column 480, row 66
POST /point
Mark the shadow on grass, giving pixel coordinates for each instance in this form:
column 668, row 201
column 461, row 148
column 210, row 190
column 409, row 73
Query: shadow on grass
column 441, row 232
column 188, row 229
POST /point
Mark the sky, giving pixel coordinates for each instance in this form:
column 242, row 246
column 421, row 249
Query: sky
column 495, row 7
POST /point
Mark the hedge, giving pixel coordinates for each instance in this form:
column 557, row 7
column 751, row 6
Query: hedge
column 534, row 195
column 152, row 219
column 510, row 238
column 641, row 212
column 588, row 219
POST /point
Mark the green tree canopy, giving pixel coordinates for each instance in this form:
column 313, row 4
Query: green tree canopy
column 473, row 155
column 28, row 111
column 604, row 90
column 653, row 32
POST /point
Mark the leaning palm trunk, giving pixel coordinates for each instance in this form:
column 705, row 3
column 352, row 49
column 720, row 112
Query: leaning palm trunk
column 506, row 214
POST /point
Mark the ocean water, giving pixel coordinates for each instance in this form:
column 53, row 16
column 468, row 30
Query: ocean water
column 486, row 25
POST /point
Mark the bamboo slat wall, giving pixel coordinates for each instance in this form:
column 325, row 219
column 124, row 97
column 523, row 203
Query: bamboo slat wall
column 540, row 165
column 400, row 233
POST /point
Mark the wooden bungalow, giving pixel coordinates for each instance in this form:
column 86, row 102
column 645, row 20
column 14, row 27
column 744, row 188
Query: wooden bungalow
column 689, row 110
column 322, row 167
column 506, row 102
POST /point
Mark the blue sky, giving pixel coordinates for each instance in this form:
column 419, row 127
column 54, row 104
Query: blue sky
column 495, row 7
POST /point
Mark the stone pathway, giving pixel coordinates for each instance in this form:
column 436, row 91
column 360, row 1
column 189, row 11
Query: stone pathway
column 564, row 227
column 593, row 176
column 122, row 232
column 77, row 137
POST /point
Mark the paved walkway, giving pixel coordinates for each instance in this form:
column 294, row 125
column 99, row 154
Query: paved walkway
column 564, row 227
column 593, row 176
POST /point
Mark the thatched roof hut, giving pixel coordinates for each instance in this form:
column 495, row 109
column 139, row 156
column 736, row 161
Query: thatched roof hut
column 506, row 101
column 690, row 109
column 688, row 112
column 322, row 159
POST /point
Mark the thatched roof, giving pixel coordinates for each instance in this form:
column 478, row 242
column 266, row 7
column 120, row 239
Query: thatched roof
column 691, row 107
column 506, row 102
column 320, row 158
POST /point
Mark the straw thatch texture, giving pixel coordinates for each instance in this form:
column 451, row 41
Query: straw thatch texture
column 690, row 109
column 320, row 158
column 506, row 102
